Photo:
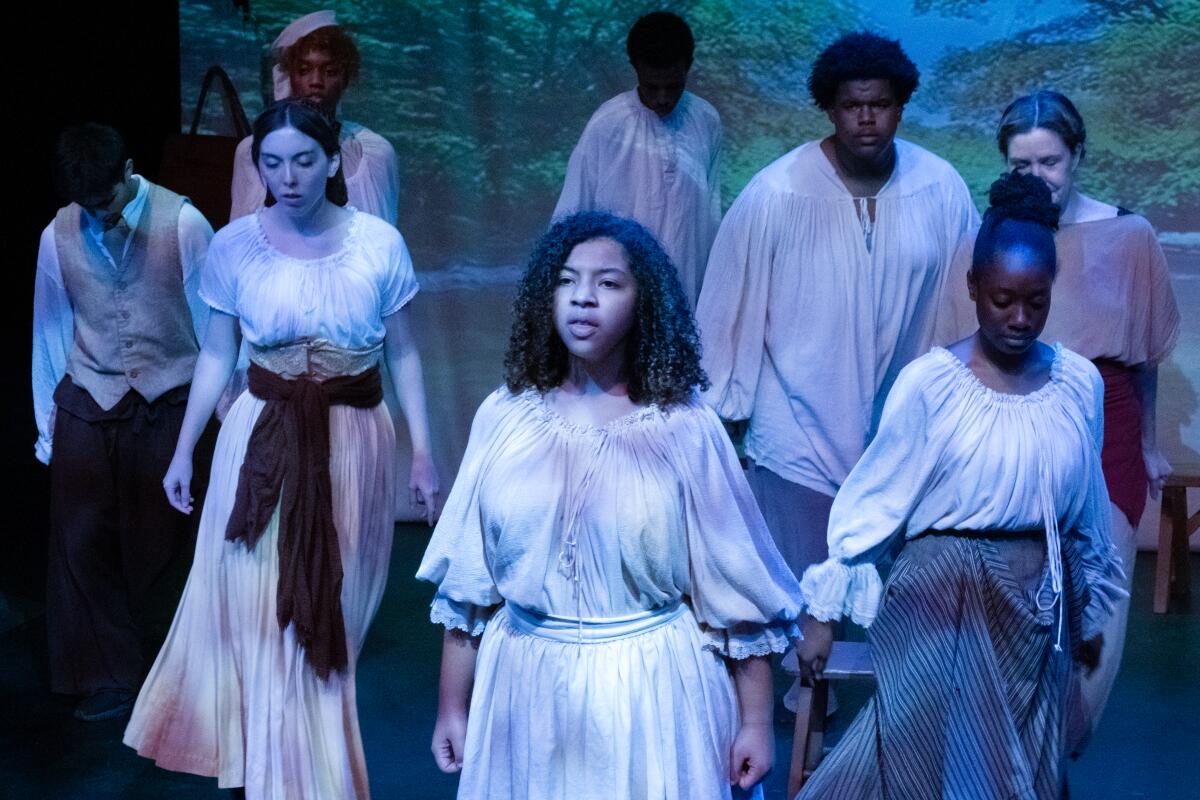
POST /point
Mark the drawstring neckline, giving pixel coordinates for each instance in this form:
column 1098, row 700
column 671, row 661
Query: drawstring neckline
column 568, row 560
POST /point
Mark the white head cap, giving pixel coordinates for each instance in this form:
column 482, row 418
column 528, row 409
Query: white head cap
column 291, row 34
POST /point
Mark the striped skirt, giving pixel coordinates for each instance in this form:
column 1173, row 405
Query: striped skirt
column 970, row 688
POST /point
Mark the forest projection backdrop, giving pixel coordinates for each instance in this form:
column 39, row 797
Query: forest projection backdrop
column 484, row 100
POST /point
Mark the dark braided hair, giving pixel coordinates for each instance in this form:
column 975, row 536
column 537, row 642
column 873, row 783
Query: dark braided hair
column 862, row 56
column 307, row 117
column 662, row 351
column 1020, row 214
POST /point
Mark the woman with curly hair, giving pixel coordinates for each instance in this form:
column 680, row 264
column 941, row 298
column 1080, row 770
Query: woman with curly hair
column 986, row 472
column 1113, row 304
column 821, row 286
column 602, row 568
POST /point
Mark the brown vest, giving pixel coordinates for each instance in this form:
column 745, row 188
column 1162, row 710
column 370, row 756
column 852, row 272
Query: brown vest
column 133, row 329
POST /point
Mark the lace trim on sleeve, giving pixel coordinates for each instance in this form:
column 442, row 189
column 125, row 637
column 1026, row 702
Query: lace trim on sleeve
column 749, row 640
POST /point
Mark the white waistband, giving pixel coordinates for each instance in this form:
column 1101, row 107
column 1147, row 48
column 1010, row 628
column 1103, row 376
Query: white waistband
column 594, row 629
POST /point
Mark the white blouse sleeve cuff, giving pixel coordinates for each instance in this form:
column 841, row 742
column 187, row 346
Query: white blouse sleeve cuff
column 751, row 639
column 833, row 589
column 1105, row 579
column 456, row 615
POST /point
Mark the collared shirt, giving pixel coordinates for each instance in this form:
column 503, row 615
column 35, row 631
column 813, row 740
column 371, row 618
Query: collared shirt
column 53, row 312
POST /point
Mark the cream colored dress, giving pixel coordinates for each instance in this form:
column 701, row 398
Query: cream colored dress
column 231, row 695
column 611, row 571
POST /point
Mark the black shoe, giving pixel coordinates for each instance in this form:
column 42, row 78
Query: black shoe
column 104, row 704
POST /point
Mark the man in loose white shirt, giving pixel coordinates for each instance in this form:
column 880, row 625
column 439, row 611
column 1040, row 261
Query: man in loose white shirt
column 117, row 323
column 652, row 154
column 821, row 286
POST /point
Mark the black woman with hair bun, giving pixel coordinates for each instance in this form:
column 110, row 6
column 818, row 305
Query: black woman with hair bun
column 609, row 589
column 986, row 473
column 1113, row 304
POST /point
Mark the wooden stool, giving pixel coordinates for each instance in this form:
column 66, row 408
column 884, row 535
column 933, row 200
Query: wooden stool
column 847, row 660
column 1172, row 572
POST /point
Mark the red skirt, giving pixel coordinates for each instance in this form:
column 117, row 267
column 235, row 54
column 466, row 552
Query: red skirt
column 1124, row 467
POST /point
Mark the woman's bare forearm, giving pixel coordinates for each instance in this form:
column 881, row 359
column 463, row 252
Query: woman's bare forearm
column 214, row 366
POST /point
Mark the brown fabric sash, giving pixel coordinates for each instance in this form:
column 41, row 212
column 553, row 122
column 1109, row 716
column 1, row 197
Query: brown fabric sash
column 287, row 463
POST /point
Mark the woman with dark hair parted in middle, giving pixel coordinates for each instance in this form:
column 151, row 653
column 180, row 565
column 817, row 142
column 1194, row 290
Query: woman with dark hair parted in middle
column 986, row 469
column 602, row 567
column 1113, row 304
column 255, row 684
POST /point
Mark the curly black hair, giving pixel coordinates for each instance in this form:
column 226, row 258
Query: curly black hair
column 660, row 39
column 331, row 39
column 1020, row 215
column 862, row 56
column 662, row 350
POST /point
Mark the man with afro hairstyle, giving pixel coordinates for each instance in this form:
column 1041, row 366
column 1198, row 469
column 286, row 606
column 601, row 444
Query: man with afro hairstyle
column 652, row 154
column 820, row 288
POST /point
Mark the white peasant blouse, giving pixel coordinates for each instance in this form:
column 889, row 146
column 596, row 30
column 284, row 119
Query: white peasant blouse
column 951, row 454
column 588, row 522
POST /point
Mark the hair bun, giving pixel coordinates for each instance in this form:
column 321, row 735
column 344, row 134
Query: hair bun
column 1022, row 197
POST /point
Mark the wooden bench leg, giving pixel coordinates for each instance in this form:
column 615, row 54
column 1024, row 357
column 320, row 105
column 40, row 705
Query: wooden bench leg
column 808, row 739
column 1181, row 530
column 1174, row 513
column 804, row 703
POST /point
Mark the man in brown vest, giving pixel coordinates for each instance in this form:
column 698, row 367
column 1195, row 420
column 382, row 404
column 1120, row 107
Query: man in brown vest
column 116, row 326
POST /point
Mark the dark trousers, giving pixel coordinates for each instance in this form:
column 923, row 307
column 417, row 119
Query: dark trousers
column 119, row 553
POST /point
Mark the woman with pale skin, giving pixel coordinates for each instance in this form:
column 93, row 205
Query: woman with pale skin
column 255, row 684
column 1113, row 304
column 609, row 589
column 986, row 474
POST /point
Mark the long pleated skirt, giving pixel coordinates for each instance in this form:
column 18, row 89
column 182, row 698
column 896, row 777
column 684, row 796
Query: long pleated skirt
column 642, row 715
column 231, row 694
column 971, row 690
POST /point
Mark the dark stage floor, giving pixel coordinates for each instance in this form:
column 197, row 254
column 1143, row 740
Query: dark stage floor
column 1145, row 748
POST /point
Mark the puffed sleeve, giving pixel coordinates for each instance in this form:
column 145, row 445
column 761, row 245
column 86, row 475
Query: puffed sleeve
column 218, row 278
column 53, row 336
column 456, row 558
column 378, row 177
column 742, row 592
column 400, row 280
column 1092, row 531
column 732, row 311
column 875, row 502
column 1154, row 318
column 955, row 312
column 579, row 184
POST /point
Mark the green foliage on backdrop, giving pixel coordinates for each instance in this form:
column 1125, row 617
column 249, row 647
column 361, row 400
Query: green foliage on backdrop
column 485, row 99
column 1132, row 68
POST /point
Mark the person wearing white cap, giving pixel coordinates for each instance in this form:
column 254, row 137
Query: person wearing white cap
column 315, row 58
